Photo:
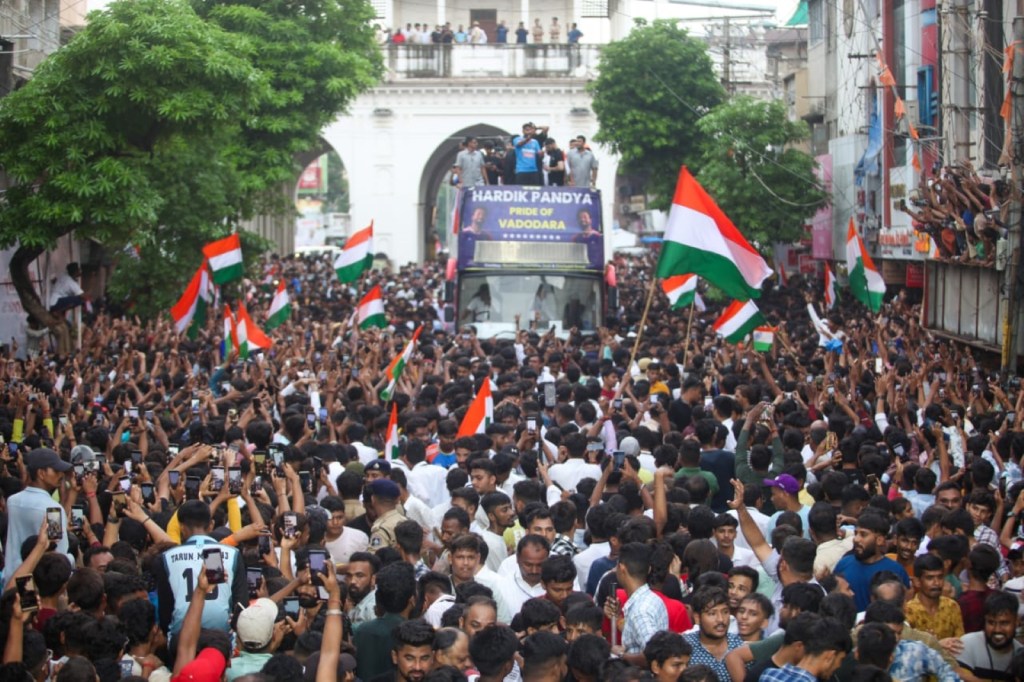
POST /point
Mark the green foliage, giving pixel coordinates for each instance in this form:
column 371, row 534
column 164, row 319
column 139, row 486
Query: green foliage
column 80, row 140
column 749, row 166
column 653, row 87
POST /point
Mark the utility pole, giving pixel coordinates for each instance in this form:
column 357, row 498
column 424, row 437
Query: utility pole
column 726, row 57
column 956, row 69
column 1013, row 287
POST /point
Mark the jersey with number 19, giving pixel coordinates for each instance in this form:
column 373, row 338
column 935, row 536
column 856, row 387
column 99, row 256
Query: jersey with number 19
column 180, row 566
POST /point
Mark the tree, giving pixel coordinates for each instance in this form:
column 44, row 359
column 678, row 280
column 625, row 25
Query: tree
column 652, row 88
column 79, row 141
column 749, row 165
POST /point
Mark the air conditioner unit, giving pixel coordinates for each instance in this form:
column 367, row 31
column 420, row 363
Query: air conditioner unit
column 626, row 208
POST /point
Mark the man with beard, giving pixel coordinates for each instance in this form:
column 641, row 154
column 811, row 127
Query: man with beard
column 987, row 654
column 375, row 640
column 413, row 652
column 360, row 578
column 713, row 640
column 929, row 610
column 868, row 558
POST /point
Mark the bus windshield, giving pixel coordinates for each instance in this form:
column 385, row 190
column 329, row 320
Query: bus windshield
column 490, row 302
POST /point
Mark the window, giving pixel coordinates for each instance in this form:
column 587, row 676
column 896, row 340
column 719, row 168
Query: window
column 816, row 20
column 594, row 9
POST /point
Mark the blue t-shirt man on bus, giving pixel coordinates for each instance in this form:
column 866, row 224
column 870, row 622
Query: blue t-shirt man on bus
column 527, row 151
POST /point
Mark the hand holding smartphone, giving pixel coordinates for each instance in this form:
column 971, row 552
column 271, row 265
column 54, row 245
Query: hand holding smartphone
column 213, row 564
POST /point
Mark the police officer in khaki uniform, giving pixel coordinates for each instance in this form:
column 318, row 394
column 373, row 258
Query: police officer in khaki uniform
column 384, row 495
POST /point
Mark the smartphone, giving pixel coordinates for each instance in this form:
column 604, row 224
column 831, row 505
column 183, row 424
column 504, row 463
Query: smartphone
column 617, row 404
column 257, row 405
column 126, row 667
column 264, row 545
column 878, row 365
column 235, row 480
column 550, row 397
column 317, row 560
column 257, row 484
column 63, row 419
column 120, row 503
column 253, row 576
column 79, row 471
column 174, row 477
column 124, row 483
column 531, row 424
column 136, row 456
column 310, row 419
column 291, row 522
column 195, row 406
column 127, row 466
column 872, row 480
column 306, row 481
column 213, row 564
column 12, row 449
column 291, row 606
column 148, row 493
column 323, row 415
column 278, row 457
column 54, row 525
column 619, row 458
column 259, row 462
column 133, row 415
column 77, row 516
column 218, row 476
column 192, row 485
column 173, row 449
column 654, row 399
column 149, row 415
column 27, row 594
column 232, row 415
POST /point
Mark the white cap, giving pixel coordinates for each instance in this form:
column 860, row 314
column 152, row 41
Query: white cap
column 255, row 625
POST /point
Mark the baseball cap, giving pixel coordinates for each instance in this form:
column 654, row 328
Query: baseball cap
column 255, row 625
column 208, row 666
column 381, row 465
column 630, row 446
column 385, row 488
column 81, row 454
column 784, row 481
column 45, row 458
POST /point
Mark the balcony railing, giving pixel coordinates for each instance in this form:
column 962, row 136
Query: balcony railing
column 491, row 61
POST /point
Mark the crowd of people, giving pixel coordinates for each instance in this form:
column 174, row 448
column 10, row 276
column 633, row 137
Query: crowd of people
column 843, row 507
column 964, row 214
column 444, row 34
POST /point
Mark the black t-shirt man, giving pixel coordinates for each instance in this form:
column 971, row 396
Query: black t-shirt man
column 556, row 156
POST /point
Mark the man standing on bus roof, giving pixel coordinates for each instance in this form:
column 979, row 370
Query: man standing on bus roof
column 527, row 155
column 582, row 164
column 470, row 162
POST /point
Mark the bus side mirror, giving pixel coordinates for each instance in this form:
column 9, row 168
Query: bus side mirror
column 449, row 313
column 449, row 291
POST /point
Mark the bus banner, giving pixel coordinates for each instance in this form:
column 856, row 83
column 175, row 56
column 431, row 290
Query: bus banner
column 540, row 215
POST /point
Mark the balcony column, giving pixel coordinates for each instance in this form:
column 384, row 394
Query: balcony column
column 440, row 12
column 524, row 8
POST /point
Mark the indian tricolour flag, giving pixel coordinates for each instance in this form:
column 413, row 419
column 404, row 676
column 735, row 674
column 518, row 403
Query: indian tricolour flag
column 866, row 282
column 680, row 289
column 764, row 337
column 225, row 258
column 394, row 370
column 370, row 312
column 391, row 446
column 280, row 307
column 480, row 412
column 830, row 288
column 189, row 313
column 738, row 320
column 249, row 335
column 230, row 334
column 357, row 256
column 701, row 240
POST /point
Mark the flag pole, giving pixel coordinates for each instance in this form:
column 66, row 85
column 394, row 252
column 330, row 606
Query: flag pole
column 643, row 320
column 689, row 324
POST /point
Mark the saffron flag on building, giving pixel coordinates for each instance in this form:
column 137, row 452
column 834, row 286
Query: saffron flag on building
column 189, row 313
column 866, row 282
column 230, row 335
column 394, row 370
column 280, row 307
column 480, row 412
column 357, row 256
column 700, row 239
column 371, row 310
column 738, row 320
column 391, row 446
column 764, row 337
column 830, row 288
column 225, row 259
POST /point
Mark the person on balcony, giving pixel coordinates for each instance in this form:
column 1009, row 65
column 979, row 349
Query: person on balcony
column 574, row 35
column 555, row 31
column 477, row 36
column 538, row 31
column 461, row 36
column 501, row 33
column 521, row 34
column 398, row 38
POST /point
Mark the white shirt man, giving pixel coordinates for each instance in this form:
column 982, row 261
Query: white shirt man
column 572, row 471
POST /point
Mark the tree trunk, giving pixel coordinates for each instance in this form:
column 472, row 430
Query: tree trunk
column 22, row 280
